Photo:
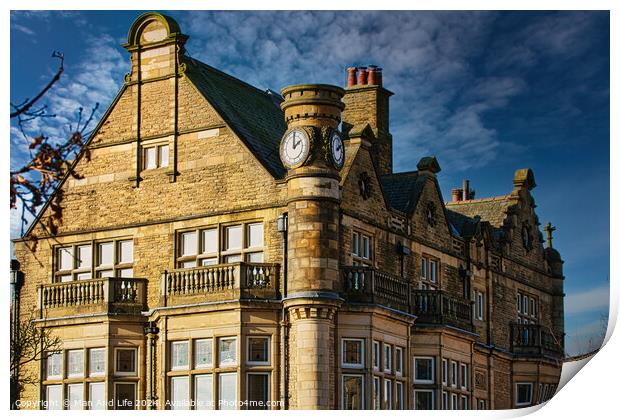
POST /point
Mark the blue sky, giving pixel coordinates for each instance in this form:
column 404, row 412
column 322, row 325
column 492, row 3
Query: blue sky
column 485, row 92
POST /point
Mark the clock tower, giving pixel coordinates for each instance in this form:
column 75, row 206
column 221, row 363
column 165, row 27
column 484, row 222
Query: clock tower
column 312, row 151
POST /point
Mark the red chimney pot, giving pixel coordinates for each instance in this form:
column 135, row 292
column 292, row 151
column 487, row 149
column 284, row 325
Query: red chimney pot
column 362, row 76
column 351, row 75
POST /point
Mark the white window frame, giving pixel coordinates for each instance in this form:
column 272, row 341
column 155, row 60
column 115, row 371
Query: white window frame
column 91, row 402
column 219, row 389
column 259, row 363
column 482, row 404
column 92, row 373
column 424, row 269
column 342, row 389
column 531, row 396
column 376, row 355
column 479, row 305
column 79, row 374
column 157, row 146
column 454, row 374
column 423, row 391
column 388, row 394
column 400, row 394
column 454, row 401
column 174, row 344
column 135, row 363
column 415, row 370
column 464, row 402
column 352, row 365
column 135, row 393
column 376, row 393
column 464, row 379
column 210, row 404
column 387, row 358
column 60, row 355
column 188, row 381
column 247, row 386
column 444, row 372
column 398, row 360
column 195, row 354
column 445, row 401
column 47, row 397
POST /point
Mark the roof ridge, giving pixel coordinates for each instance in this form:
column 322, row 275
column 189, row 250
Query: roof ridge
column 400, row 173
column 479, row 200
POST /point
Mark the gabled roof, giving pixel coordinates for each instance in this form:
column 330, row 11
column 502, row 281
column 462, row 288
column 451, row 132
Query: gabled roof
column 251, row 113
column 402, row 190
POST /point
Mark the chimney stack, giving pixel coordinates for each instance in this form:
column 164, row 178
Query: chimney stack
column 466, row 189
column 351, row 76
column 457, row 194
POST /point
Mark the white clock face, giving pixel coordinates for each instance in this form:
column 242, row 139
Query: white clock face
column 295, row 148
column 337, row 150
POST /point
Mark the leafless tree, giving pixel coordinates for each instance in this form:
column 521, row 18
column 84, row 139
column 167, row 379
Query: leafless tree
column 33, row 183
column 29, row 343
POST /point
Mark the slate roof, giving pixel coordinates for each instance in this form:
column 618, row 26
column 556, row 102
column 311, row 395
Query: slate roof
column 402, row 190
column 253, row 114
column 492, row 210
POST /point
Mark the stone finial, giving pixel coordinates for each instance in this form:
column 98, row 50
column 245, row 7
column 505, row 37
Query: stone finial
column 524, row 178
column 154, row 28
column 430, row 164
column 549, row 231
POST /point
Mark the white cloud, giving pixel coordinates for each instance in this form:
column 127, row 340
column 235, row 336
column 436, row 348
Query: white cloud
column 596, row 299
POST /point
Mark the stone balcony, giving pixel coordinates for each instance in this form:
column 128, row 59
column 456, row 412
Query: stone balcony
column 222, row 282
column 534, row 340
column 435, row 307
column 110, row 295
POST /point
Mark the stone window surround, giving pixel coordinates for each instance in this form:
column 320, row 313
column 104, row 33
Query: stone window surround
column 135, row 361
column 359, row 365
column 423, row 391
column 247, row 385
column 220, row 253
column 256, row 362
column 359, row 258
column 155, row 143
column 415, row 369
column 530, row 399
column 479, row 306
column 427, row 260
column 528, row 308
column 342, row 389
column 94, row 263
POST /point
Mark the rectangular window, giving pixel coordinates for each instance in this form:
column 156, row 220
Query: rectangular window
column 65, row 259
column 525, row 305
column 423, row 268
column 163, row 155
column 255, row 235
column 53, row 397
column 546, row 392
column 361, row 249
column 365, row 247
column 189, row 244
column 387, row 358
column 400, row 396
column 398, row 360
column 464, row 402
column 352, row 392
column 464, row 375
column 85, row 254
column 479, row 306
column 444, row 371
column 227, row 391
column 203, row 392
column 387, row 394
column 125, row 396
column 233, row 238
column 203, row 353
column 75, row 396
column 96, row 396
column 454, row 370
column 75, row 361
column 227, row 351
column 424, row 370
column 106, row 255
column 445, row 401
column 533, row 307
column 523, row 392
column 376, row 357
column 126, row 362
column 519, row 303
column 258, row 350
column 179, row 355
column 527, row 308
column 355, row 245
column 540, row 391
column 258, row 391
column 209, row 241
column 455, row 401
column 482, row 405
column 125, row 252
column 433, row 271
column 352, row 353
column 156, row 157
column 424, row 399
column 54, row 366
column 150, row 158
column 179, row 393
column 376, row 393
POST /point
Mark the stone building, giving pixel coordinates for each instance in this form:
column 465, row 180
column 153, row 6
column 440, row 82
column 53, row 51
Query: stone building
column 228, row 247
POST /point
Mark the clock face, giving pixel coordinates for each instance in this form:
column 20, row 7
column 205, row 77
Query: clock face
column 295, row 148
column 337, row 150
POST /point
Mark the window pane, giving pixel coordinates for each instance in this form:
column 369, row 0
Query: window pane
column 126, row 360
column 352, row 392
column 352, row 352
column 75, row 360
column 125, row 252
column 126, row 273
column 150, row 161
column 188, row 264
column 65, row 258
column 228, row 391
column 387, row 394
column 524, row 393
column 85, row 254
column 387, row 357
column 366, row 247
column 375, row 354
column 423, row 400
column 232, row 258
column 180, row 393
column 106, row 254
column 105, row 273
column 203, row 353
column 398, row 359
column 76, row 393
column 203, row 392
column 96, row 362
column 209, row 241
column 256, row 257
column 258, row 349
column 355, row 245
column 400, row 396
column 54, row 366
column 67, row 278
column 255, row 235
column 96, row 392
column 376, row 393
column 423, row 369
column 423, row 268
column 228, row 351
column 433, row 265
column 164, row 155
column 125, row 396
column 208, row 261
column 258, row 391
column 233, row 237
column 188, row 243
column 83, row 276
column 53, row 397
column 179, row 355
